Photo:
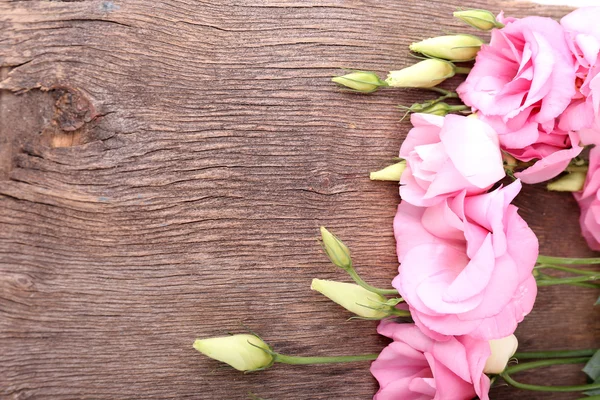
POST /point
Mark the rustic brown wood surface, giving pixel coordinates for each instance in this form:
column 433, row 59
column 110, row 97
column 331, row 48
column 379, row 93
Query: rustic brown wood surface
column 164, row 169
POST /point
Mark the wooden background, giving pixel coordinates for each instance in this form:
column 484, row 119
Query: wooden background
column 164, row 169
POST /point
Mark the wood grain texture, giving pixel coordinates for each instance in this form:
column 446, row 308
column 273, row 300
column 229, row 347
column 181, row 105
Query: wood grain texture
column 164, row 169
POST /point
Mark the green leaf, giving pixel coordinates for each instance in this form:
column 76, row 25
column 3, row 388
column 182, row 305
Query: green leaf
column 595, row 393
column 592, row 368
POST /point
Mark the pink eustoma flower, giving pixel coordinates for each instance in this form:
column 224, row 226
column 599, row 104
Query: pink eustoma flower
column 466, row 264
column 416, row 367
column 521, row 84
column 446, row 155
column 589, row 202
column 583, row 38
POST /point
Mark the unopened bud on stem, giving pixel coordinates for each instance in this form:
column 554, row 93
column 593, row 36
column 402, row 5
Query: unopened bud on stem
column 424, row 74
column 509, row 162
column 480, row 19
column 502, row 350
column 450, row 47
column 571, row 182
column 353, row 298
column 242, row 352
column 336, row 250
column 364, row 82
column 390, row 173
column 436, row 108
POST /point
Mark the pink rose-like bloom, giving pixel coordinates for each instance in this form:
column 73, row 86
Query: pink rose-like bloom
column 446, row 155
column 521, row 83
column 416, row 367
column 589, row 202
column 466, row 264
column 583, row 38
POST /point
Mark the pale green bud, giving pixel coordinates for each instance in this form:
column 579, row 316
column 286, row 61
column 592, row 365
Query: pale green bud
column 571, row 182
column 440, row 108
column 390, row 173
column 480, row 19
column 451, row 47
column 502, row 350
column 437, row 108
column 364, row 82
column 242, row 352
column 424, row 74
column 353, row 298
column 509, row 162
column 336, row 250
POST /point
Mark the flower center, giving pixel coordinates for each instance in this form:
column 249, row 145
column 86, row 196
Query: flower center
column 578, row 83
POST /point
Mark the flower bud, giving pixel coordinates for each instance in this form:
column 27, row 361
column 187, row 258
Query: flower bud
column 451, row 47
column 480, row 19
column 437, row 108
column 509, row 162
column 242, row 352
column 571, row 182
column 424, row 74
column 364, row 82
column 389, row 173
column 502, row 350
column 440, row 108
column 336, row 250
column 353, row 298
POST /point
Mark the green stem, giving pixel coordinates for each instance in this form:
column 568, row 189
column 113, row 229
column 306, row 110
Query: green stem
column 567, row 269
column 299, row 360
column 462, row 70
column 567, row 281
column 447, row 93
column 359, row 281
column 567, row 261
column 555, row 354
column 400, row 313
column 597, row 397
column 433, row 102
column 546, row 363
column 538, row 388
column 586, row 285
column 458, row 108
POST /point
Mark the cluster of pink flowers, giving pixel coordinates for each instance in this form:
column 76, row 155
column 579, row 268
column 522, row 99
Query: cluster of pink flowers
column 466, row 260
column 466, row 256
column 538, row 85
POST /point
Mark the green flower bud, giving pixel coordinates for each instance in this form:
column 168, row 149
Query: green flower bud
column 424, row 74
column 440, row 108
column 336, row 250
column 509, row 162
column 353, row 298
column 502, row 350
column 571, row 182
column 437, row 108
column 480, row 19
column 451, row 47
column 364, row 82
column 389, row 173
column 242, row 352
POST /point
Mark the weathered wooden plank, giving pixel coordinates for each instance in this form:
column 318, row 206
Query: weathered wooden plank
column 176, row 189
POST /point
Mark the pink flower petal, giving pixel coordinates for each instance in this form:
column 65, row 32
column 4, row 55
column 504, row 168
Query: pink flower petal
column 549, row 167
